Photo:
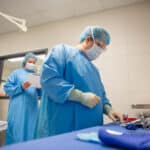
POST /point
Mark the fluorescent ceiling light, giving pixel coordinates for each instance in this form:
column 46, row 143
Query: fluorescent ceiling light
column 21, row 58
column 41, row 56
column 16, row 59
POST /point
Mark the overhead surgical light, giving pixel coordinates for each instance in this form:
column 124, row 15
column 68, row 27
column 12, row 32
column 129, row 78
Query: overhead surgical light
column 21, row 23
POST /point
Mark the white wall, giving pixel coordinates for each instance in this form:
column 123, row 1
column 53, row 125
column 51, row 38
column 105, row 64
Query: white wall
column 0, row 114
column 124, row 67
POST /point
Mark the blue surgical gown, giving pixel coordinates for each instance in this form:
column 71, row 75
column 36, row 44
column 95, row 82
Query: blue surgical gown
column 23, row 107
column 64, row 69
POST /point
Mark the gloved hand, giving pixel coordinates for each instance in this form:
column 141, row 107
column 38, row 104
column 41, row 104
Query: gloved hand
column 87, row 99
column 112, row 114
column 115, row 116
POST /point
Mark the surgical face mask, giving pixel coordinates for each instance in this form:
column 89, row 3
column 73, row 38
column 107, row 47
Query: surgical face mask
column 95, row 50
column 30, row 66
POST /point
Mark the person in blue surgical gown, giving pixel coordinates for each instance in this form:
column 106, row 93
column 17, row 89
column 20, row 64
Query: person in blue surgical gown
column 22, row 111
column 73, row 93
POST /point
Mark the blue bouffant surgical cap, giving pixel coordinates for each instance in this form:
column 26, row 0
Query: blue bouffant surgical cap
column 27, row 56
column 98, row 33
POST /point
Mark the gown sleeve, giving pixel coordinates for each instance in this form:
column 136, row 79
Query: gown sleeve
column 13, row 86
column 52, row 76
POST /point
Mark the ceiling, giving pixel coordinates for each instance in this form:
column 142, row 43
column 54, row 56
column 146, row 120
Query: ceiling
column 38, row 12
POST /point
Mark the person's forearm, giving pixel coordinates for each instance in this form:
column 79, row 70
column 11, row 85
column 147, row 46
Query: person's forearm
column 75, row 95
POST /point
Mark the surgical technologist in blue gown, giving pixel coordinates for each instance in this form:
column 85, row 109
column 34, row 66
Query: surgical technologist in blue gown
column 73, row 93
column 22, row 111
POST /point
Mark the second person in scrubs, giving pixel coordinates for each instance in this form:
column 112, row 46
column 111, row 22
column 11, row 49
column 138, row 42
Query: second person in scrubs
column 23, row 103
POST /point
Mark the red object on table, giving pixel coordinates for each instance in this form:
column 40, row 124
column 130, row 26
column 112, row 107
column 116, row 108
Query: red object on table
column 129, row 119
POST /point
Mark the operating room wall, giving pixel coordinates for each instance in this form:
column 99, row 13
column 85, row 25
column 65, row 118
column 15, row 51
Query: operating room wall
column 124, row 66
column 0, row 115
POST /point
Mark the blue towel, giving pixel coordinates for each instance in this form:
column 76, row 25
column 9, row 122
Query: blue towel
column 129, row 140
